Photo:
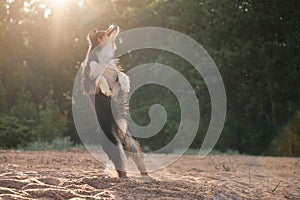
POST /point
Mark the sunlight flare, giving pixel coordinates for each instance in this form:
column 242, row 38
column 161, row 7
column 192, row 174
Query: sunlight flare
column 58, row 2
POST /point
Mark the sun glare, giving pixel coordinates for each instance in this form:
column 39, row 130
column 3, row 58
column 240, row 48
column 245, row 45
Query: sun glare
column 57, row 2
column 51, row 5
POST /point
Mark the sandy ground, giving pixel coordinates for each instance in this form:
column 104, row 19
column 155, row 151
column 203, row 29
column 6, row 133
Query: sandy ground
column 75, row 174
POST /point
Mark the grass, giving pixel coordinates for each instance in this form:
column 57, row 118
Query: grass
column 276, row 186
column 56, row 144
column 226, row 168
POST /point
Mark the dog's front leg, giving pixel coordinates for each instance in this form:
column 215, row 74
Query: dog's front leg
column 101, row 84
column 124, row 81
column 95, row 70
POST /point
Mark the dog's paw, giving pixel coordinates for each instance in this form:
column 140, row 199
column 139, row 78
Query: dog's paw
column 105, row 90
column 102, row 85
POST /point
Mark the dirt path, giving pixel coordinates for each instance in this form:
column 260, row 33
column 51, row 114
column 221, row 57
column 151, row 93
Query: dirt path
column 76, row 174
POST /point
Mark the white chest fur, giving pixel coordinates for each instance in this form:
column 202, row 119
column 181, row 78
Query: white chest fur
column 105, row 75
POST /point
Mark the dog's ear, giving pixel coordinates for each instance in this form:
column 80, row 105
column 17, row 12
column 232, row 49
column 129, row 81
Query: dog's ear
column 92, row 37
column 93, row 33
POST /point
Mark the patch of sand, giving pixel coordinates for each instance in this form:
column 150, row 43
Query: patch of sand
column 77, row 175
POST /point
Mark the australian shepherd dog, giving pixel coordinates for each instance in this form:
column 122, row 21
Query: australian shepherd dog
column 107, row 88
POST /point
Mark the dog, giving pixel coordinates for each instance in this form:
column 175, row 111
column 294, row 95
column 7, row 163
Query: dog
column 107, row 86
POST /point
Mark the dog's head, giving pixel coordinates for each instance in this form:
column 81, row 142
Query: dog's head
column 104, row 42
column 105, row 38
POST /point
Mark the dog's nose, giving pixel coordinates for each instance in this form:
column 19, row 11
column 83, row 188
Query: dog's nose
column 115, row 25
column 112, row 28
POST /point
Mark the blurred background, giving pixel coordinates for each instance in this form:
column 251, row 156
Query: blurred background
column 255, row 44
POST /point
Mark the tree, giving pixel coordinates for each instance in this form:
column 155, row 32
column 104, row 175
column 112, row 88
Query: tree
column 13, row 133
column 255, row 45
column 25, row 109
column 287, row 143
column 53, row 123
column 3, row 103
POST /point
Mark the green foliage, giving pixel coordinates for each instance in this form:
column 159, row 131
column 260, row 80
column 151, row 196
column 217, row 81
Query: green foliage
column 255, row 44
column 255, row 52
column 24, row 109
column 52, row 123
column 141, row 102
column 287, row 143
column 3, row 104
column 13, row 133
column 57, row 143
column 25, row 123
column 18, row 124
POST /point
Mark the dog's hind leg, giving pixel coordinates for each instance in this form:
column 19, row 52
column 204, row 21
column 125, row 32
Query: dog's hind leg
column 109, row 139
column 113, row 148
column 133, row 149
